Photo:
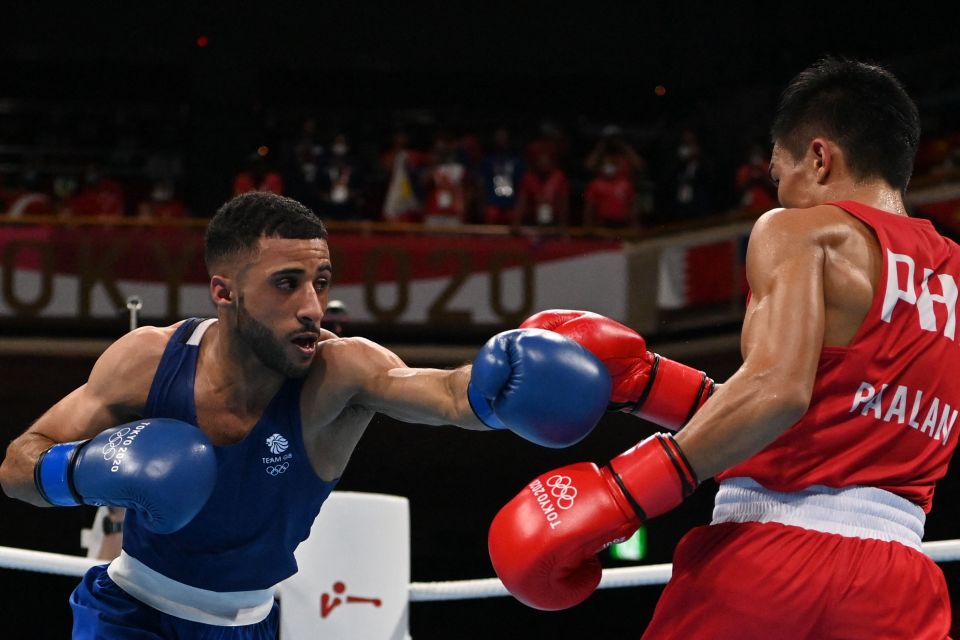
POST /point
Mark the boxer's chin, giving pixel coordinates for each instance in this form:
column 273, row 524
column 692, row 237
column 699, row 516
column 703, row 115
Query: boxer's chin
column 298, row 365
column 289, row 359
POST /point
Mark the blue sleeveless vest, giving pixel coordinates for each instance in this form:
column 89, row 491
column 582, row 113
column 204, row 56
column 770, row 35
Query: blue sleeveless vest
column 263, row 504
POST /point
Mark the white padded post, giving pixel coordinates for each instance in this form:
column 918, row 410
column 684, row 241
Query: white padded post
column 354, row 572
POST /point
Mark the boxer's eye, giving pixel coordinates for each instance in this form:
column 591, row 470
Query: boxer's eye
column 286, row 284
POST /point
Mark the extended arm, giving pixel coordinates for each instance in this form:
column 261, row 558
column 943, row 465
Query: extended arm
column 538, row 384
column 424, row 396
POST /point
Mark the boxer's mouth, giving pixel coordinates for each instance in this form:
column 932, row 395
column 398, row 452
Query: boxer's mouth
column 306, row 342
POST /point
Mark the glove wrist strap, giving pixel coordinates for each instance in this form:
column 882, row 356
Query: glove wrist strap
column 674, row 393
column 654, row 476
column 53, row 474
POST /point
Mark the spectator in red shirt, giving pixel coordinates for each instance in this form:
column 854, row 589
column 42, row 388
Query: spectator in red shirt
column 445, row 184
column 402, row 146
column 551, row 141
column 28, row 199
column 340, row 182
column 612, row 146
column 99, row 196
column 610, row 199
column 757, row 193
column 544, row 194
column 162, row 204
column 258, row 177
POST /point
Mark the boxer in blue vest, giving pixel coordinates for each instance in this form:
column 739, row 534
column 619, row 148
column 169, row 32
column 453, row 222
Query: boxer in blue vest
column 223, row 437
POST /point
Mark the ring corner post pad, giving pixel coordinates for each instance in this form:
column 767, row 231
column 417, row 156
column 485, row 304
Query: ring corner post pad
column 355, row 565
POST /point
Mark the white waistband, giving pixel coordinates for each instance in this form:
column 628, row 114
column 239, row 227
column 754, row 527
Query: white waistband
column 858, row 512
column 224, row 608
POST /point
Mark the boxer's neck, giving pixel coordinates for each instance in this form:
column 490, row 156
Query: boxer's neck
column 875, row 193
column 234, row 375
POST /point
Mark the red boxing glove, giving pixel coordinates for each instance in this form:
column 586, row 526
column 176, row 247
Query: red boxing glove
column 543, row 543
column 645, row 384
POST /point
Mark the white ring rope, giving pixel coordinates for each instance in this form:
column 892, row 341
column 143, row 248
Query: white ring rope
column 66, row 565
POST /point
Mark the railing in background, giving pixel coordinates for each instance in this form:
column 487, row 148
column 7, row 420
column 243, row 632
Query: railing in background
column 386, row 273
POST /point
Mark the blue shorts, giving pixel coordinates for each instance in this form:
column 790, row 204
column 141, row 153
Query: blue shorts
column 102, row 610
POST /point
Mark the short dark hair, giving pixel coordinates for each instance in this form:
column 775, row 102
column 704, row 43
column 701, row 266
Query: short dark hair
column 240, row 223
column 862, row 107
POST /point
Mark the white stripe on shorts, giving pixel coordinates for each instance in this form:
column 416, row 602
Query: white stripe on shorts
column 858, row 512
column 223, row 608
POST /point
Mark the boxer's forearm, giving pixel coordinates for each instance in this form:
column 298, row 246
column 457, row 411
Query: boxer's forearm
column 17, row 471
column 743, row 416
column 425, row 396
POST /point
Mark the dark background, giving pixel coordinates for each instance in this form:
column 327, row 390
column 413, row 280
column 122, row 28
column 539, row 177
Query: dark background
column 465, row 65
column 473, row 62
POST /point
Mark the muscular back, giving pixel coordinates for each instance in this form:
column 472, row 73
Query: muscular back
column 852, row 267
column 882, row 391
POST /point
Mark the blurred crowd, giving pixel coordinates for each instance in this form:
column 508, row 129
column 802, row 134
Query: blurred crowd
column 541, row 174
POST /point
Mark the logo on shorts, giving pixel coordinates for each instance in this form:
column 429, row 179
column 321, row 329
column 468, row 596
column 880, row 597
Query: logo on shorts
column 561, row 488
column 277, row 443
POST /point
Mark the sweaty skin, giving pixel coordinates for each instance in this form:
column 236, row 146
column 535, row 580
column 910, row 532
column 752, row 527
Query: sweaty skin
column 269, row 304
column 813, row 272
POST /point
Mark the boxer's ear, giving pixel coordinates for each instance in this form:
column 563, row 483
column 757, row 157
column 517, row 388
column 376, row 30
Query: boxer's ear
column 221, row 290
column 822, row 154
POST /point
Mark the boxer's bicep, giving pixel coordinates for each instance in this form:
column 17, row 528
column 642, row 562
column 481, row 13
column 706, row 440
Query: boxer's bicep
column 783, row 329
column 116, row 390
column 67, row 421
column 78, row 416
column 782, row 339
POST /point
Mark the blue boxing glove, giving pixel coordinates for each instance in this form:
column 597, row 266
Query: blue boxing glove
column 164, row 469
column 540, row 385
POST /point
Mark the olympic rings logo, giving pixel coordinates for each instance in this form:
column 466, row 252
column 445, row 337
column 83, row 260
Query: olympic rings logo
column 561, row 488
column 110, row 448
column 278, row 469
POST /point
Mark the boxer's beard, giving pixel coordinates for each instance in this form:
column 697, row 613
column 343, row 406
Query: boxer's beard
column 264, row 345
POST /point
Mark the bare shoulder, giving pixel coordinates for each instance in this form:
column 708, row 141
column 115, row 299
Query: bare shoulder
column 357, row 356
column 822, row 224
column 140, row 345
column 125, row 371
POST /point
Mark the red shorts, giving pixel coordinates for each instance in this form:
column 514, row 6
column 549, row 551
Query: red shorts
column 772, row 581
